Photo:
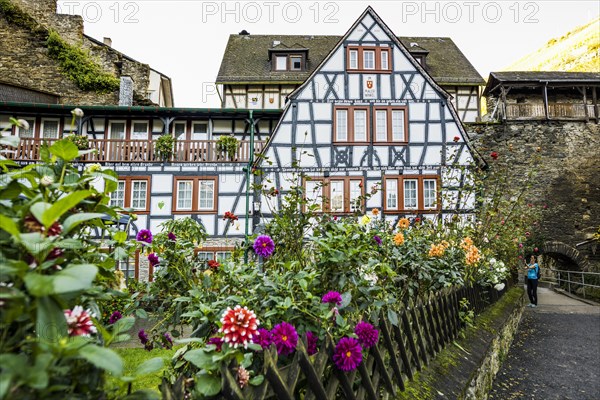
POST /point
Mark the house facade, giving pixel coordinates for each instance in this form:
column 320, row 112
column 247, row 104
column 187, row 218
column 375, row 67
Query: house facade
column 368, row 118
column 275, row 65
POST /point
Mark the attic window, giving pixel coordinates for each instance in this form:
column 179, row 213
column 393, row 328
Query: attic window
column 280, row 63
column 288, row 62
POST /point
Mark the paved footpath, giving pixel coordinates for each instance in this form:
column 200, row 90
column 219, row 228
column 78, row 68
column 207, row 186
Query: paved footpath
column 555, row 354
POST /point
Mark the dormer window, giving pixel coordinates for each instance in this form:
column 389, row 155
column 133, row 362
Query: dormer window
column 288, row 62
column 296, row 63
column 281, row 63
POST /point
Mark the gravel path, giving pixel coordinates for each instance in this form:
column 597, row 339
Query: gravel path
column 555, row 355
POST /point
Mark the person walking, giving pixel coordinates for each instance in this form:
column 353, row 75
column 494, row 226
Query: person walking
column 533, row 271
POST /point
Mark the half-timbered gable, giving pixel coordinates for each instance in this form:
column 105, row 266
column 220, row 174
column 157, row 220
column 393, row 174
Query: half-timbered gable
column 371, row 116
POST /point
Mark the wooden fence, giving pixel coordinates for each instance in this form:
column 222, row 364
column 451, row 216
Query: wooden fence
column 423, row 329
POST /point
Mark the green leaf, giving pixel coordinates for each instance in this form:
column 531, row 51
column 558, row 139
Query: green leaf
column 8, row 225
column 393, row 317
column 141, row 313
column 64, row 149
column 208, row 385
column 340, row 321
column 38, row 210
column 39, row 285
column 123, row 325
column 51, row 322
column 74, row 278
column 200, row 359
column 149, row 366
column 120, row 236
column 61, row 206
column 73, row 220
column 111, row 179
column 103, row 358
column 257, row 380
column 254, row 347
column 12, row 141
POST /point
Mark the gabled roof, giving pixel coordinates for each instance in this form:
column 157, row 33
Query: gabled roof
column 537, row 78
column 246, row 59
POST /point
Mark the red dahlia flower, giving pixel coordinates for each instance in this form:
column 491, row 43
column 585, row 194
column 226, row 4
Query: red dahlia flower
column 239, row 326
column 79, row 322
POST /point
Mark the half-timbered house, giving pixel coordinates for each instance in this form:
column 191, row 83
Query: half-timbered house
column 367, row 113
column 371, row 115
column 274, row 66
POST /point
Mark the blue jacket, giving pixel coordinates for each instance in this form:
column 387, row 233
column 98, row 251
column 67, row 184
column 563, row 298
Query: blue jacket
column 533, row 271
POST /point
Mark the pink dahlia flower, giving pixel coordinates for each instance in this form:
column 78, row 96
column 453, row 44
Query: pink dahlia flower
column 264, row 338
column 264, row 246
column 285, row 337
column 311, row 344
column 332, row 298
column 145, row 236
column 367, row 334
column 347, row 354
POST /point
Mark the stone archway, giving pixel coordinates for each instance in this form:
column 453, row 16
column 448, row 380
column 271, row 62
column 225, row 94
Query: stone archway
column 565, row 257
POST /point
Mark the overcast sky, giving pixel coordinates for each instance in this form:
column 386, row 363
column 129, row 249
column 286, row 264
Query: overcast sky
column 185, row 39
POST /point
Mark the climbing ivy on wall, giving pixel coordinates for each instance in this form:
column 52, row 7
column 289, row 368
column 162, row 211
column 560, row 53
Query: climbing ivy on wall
column 75, row 63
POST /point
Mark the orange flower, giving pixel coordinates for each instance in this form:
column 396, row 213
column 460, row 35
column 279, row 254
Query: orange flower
column 403, row 223
column 445, row 244
column 436, row 250
column 466, row 243
column 472, row 255
column 399, row 239
column 376, row 211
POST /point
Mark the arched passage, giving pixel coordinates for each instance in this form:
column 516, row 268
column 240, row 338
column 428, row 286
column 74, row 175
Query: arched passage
column 565, row 257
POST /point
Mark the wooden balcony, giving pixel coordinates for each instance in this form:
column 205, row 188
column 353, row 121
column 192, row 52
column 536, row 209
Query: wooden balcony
column 142, row 151
column 556, row 111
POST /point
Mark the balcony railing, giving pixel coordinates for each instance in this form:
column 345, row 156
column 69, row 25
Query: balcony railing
column 566, row 111
column 142, row 151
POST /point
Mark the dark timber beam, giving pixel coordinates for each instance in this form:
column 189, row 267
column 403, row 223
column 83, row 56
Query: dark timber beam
column 545, row 92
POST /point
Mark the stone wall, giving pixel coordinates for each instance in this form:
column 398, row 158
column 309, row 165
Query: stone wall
column 24, row 59
column 483, row 378
column 568, row 176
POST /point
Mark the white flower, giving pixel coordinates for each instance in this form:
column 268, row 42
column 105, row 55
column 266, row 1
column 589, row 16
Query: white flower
column 492, row 261
column 21, row 123
column 371, row 278
column 77, row 112
column 93, row 168
column 46, row 180
column 499, row 286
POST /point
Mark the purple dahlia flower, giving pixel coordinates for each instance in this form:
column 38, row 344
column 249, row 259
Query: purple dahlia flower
column 347, row 354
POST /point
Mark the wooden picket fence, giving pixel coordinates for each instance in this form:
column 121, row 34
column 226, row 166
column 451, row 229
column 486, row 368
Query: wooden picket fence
column 423, row 329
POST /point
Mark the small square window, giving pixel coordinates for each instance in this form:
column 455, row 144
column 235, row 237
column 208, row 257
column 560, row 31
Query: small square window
column 50, row 129
column 184, row 195
column 384, row 59
column 353, row 62
column 27, row 133
column 296, row 63
column 410, row 194
column 369, row 59
column 117, row 198
column 280, row 63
